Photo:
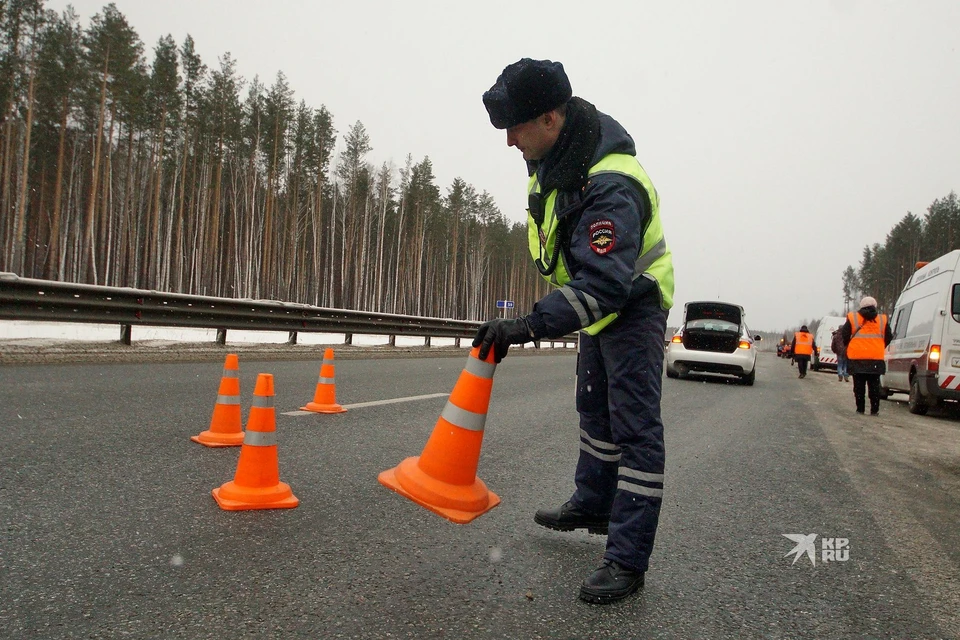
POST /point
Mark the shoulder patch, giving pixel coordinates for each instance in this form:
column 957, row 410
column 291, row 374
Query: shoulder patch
column 602, row 237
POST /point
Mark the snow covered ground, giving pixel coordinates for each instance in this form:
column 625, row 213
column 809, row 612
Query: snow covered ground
column 59, row 332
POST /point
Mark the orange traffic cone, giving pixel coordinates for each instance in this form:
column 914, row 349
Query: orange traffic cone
column 225, row 429
column 444, row 477
column 325, row 397
column 256, row 484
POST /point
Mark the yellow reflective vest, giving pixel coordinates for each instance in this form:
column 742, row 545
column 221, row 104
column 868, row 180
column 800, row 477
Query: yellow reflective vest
column 654, row 261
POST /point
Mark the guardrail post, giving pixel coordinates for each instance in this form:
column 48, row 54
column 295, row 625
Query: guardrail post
column 392, row 341
column 348, row 338
column 125, row 331
column 292, row 337
column 426, row 341
column 456, row 342
column 221, row 337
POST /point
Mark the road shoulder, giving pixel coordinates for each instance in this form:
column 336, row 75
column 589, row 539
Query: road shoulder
column 907, row 469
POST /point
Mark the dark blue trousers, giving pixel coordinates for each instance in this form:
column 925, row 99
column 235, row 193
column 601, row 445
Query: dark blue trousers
column 620, row 470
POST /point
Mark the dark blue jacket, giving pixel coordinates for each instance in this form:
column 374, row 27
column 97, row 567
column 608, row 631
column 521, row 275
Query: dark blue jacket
column 608, row 278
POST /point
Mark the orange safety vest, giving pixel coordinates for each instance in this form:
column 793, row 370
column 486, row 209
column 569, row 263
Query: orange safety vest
column 866, row 337
column 804, row 343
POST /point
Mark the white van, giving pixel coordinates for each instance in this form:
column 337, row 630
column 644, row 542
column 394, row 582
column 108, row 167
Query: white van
column 924, row 357
column 824, row 357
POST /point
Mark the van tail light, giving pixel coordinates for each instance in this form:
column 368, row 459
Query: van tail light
column 933, row 361
column 744, row 344
column 676, row 339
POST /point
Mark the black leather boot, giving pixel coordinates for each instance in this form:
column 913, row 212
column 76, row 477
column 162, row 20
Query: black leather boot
column 610, row 583
column 568, row 517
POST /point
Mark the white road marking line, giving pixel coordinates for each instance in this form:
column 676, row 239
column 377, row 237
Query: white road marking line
column 375, row 403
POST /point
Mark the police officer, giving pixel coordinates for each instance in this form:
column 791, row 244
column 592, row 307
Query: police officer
column 802, row 349
column 866, row 334
column 594, row 233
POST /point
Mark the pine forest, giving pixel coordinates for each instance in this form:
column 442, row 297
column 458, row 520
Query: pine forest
column 151, row 169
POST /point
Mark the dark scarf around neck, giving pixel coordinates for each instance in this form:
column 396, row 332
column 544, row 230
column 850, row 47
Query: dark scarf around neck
column 565, row 167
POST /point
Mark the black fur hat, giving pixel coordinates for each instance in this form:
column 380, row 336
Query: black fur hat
column 526, row 89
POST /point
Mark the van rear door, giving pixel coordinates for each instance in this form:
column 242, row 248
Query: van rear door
column 901, row 354
column 950, row 340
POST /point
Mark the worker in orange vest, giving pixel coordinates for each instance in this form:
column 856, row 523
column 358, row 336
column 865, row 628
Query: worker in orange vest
column 802, row 348
column 866, row 334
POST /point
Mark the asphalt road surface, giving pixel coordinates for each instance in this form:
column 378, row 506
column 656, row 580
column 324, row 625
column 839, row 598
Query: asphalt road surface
column 109, row 529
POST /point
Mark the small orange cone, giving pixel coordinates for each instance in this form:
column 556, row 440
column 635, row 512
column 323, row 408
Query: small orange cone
column 325, row 397
column 226, row 429
column 444, row 477
column 256, row 484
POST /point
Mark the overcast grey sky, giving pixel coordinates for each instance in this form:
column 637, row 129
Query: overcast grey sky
column 782, row 137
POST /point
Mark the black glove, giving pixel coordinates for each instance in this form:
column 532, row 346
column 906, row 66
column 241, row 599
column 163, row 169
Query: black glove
column 500, row 334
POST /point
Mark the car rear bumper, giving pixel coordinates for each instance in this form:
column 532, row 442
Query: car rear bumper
column 682, row 360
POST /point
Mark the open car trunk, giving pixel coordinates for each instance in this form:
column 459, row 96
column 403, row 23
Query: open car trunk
column 712, row 326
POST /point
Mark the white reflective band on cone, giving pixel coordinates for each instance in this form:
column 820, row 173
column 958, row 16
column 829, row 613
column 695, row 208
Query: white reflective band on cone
column 263, row 402
column 260, row 438
column 480, row 368
column 228, row 399
column 462, row 418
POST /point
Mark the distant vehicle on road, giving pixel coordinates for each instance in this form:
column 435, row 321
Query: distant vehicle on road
column 824, row 357
column 713, row 339
column 786, row 348
column 923, row 359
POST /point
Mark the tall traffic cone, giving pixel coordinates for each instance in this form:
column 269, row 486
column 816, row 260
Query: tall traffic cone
column 325, row 397
column 256, row 484
column 444, row 477
column 225, row 429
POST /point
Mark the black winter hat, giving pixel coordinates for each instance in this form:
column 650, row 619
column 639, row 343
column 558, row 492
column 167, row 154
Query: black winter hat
column 526, row 89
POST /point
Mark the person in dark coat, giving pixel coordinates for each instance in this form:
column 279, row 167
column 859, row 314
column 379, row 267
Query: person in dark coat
column 866, row 334
column 840, row 350
column 595, row 235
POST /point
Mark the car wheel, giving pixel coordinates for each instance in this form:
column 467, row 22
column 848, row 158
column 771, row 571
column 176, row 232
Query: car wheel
column 885, row 393
column 917, row 403
column 672, row 374
column 749, row 378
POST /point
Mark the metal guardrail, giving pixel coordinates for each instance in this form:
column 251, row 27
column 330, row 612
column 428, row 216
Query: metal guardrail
column 52, row 301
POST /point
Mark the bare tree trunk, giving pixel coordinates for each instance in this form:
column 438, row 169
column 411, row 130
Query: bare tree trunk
column 106, row 203
column 384, row 196
column 91, row 271
column 53, row 254
column 214, row 248
column 399, row 266
column 19, row 244
column 178, row 259
column 6, row 195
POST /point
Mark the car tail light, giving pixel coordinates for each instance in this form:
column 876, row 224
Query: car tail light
column 744, row 344
column 676, row 339
column 933, row 361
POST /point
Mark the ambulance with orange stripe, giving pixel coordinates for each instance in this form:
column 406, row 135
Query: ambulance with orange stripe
column 824, row 357
column 923, row 360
